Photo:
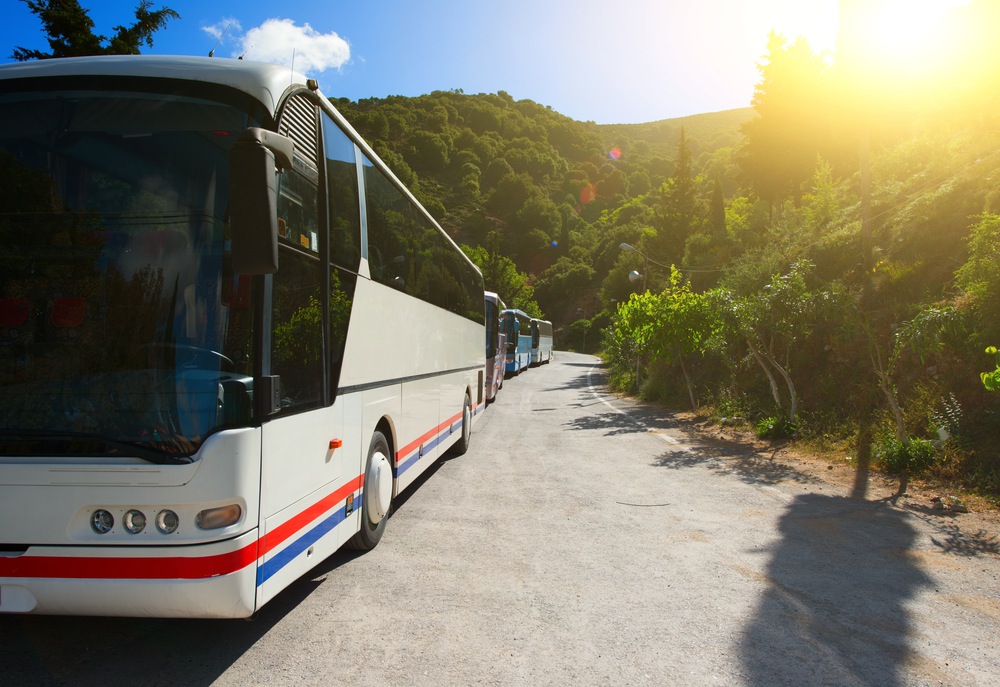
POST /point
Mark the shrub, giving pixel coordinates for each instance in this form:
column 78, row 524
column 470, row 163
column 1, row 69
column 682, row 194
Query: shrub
column 731, row 403
column 897, row 456
column 775, row 428
column 946, row 421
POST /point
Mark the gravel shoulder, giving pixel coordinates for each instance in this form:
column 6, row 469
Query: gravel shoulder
column 926, row 498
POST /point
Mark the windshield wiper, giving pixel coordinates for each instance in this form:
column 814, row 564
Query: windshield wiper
column 38, row 442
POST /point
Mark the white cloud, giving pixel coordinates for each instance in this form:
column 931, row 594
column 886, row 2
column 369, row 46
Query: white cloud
column 226, row 30
column 277, row 40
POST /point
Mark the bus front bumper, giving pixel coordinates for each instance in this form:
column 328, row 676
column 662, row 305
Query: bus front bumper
column 217, row 580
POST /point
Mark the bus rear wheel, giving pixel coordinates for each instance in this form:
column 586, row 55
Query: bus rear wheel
column 376, row 495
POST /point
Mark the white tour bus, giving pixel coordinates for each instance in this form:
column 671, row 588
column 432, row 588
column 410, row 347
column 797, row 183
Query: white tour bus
column 496, row 345
column 229, row 336
column 541, row 341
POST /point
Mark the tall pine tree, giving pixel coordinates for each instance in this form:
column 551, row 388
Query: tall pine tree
column 792, row 126
column 70, row 30
column 677, row 214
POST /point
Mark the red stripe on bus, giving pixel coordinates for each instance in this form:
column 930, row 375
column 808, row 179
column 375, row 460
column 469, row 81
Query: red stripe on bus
column 281, row 533
column 412, row 446
column 129, row 567
column 170, row 567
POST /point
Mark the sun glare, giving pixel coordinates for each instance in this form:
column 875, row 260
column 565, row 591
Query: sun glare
column 900, row 35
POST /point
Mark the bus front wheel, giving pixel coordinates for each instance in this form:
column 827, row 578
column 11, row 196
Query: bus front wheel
column 376, row 495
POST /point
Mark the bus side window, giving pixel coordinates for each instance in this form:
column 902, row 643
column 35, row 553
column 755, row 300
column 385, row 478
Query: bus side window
column 342, row 189
column 344, row 213
column 388, row 249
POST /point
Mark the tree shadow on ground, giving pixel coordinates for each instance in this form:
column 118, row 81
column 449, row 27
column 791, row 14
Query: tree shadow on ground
column 949, row 536
column 834, row 610
column 614, row 423
column 735, row 460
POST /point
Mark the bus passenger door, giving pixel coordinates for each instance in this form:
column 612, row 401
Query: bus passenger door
column 310, row 478
column 306, row 478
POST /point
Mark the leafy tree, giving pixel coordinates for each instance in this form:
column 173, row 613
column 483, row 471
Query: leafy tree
column 669, row 327
column 771, row 321
column 500, row 275
column 70, row 30
column 746, row 221
column 717, row 211
column 510, row 194
column 979, row 277
column 540, row 213
column 562, row 284
column 923, row 335
column 430, row 150
column 631, row 337
column 821, row 203
column 689, row 324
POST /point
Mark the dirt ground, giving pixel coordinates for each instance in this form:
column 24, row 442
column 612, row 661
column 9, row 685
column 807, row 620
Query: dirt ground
column 970, row 513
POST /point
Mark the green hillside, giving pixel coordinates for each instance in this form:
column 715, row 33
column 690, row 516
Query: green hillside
column 538, row 188
column 834, row 248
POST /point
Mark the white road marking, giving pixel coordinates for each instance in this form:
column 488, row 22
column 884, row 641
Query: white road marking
column 590, row 384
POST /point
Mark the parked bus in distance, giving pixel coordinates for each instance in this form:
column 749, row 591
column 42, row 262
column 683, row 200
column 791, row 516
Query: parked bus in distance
column 517, row 328
column 229, row 336
column 541, row 341
column 496, row 344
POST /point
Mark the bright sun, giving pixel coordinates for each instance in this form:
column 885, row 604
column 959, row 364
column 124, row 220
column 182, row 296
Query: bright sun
column 900, row 35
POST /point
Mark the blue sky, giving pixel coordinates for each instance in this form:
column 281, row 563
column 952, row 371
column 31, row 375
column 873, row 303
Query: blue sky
column 609, row 61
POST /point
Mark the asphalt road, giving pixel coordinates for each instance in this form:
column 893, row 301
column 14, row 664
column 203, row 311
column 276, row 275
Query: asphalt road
column 584, row 540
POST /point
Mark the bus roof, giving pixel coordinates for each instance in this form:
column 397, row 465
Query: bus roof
column 264, row 82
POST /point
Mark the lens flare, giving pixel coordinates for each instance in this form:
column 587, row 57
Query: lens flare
column 615, row 153
column 588, row 193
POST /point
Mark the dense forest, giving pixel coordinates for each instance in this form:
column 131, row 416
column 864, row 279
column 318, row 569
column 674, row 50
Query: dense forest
column 822, row 265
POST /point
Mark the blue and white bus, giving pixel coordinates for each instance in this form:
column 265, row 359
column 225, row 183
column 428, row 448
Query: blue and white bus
column 541, row 341
column 213, row 374
column 517, row 328
column 496, row 345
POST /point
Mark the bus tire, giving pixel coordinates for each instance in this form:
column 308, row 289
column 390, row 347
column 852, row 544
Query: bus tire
column 376, row 495
column 462, row 445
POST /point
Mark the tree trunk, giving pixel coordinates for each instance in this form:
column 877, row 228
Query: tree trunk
column 897, row 413
column 687, row 379
column 864, row 163
column 885, row 386
column 793, row 398
column 887, row 389
column 767, row 371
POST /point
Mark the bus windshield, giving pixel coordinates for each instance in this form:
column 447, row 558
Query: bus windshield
column 123, row 331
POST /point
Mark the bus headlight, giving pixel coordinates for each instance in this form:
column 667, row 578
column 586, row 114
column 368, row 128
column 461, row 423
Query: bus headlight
column 102, row 521
column 167, row 521
column 216, row 518
column 134, row 521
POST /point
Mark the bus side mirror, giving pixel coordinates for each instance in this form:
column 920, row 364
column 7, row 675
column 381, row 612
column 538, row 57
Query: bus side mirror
column 253, row 199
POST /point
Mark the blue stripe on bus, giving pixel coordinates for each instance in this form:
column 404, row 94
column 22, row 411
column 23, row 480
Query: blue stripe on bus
column 268, row 569
column 412, row 459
